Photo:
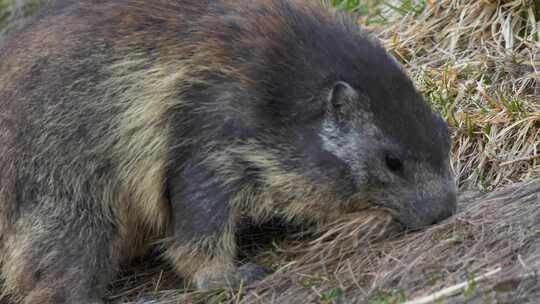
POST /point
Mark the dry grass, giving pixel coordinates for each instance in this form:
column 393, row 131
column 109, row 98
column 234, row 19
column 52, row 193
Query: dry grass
column 488, row 253
column 478, row 63
column 498, row 231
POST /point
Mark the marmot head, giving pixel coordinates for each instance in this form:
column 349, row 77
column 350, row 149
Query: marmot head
column 340, row 111
column 328, row 121
column 390, row 153
column 397, row 156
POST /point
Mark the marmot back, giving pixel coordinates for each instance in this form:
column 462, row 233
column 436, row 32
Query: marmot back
column 125, row 122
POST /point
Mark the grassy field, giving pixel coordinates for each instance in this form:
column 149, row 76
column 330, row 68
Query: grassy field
column 476, row 62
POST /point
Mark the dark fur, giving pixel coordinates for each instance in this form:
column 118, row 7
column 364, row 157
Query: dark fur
column 123, row 122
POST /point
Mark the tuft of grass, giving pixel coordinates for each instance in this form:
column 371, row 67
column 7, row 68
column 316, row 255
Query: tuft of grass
column 6, row 9
column 406, row 7
column 15, row 13
column 388, row 297
column 332, row 295
column 369, row 11
column 375, row 11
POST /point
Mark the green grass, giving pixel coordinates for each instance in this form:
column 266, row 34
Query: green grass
column 7, row 8
column 372, row 11
column 405, row 7
column 5, row 11
column 388, row 297
column 331, row 295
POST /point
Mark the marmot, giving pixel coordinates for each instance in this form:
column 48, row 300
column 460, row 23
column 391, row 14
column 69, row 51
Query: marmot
column 128, row 121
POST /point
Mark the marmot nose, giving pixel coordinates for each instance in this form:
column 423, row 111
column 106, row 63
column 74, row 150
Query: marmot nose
column 430, row 211
column 448, row 208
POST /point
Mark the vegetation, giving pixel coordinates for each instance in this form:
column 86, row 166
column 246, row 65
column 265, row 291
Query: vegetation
column 14, row 13
column 478, row 63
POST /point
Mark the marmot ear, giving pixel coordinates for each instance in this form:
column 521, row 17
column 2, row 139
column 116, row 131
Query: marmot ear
column 341, row 94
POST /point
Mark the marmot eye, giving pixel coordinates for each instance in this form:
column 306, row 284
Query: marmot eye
column 393, row 163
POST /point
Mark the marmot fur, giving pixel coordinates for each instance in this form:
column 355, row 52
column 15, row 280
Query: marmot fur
column 124, row 122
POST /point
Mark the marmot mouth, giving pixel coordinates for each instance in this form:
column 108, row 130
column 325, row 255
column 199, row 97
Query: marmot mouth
column 396, row 224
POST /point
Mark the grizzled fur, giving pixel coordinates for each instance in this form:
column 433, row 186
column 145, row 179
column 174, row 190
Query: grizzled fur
column 127, row 122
